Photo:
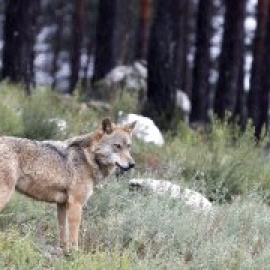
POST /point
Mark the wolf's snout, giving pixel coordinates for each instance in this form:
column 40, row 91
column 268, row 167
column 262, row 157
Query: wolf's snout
column 126, row 168
column 131, row 165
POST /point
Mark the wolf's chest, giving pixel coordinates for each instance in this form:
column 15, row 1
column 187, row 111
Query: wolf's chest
column 41, row 190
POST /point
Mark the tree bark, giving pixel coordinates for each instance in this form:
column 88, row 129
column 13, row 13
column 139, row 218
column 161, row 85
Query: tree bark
column 78, row 23
column 162, row 64
column 105, row 55
column 230, row 58
column 19, row 34
column 259, row 88
column 200, row 88
column 122, row 30
column 143, row 29
column 240, row 112
column 57, row 41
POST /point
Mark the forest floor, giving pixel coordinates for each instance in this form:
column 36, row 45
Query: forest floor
column 124, row 229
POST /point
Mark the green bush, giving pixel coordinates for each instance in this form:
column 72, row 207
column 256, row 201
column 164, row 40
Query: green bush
column 17, row 252
column 125, row 229
column 35, row 117
column 154, row 227
column 37, row 123
column 10, row 121
column 125, row 101
column 221, row 162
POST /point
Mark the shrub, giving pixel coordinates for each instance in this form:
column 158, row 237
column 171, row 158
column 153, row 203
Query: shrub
column 151, row 227
column 17, row 252
column 125, row 101
column 37, row 123
column 10, row 121
column 221, row 162
column 125, row 229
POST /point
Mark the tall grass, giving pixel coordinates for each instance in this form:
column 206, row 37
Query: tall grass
column 222, row 162
column 154, row 227
column 124, row 229
column 36, row 117
column 129, row 230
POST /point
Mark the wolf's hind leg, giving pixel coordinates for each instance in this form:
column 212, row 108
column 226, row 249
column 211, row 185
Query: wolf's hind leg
column 8, row 179
column 5, row 194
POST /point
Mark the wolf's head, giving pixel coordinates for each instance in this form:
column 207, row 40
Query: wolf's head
column 110, row 145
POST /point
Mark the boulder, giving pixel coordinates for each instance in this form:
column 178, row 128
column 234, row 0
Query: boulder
column 183, row 103
column 60, row 123
column 129, row 77
column 134, row 77
column 145, row 128
column 166, row 188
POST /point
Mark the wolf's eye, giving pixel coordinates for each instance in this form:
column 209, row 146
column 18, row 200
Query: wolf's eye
column 117, row 146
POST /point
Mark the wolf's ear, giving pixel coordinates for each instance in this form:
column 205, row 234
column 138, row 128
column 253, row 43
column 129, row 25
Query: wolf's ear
column 107, row 126
column 130, row 126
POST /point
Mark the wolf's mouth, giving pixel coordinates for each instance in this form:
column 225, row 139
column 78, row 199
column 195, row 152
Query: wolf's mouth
column 122, row 168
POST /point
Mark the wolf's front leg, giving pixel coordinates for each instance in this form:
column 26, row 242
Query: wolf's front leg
column 62, row 226
column 74, row 221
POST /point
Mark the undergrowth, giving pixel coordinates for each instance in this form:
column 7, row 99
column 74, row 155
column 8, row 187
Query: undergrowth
column 125, row 229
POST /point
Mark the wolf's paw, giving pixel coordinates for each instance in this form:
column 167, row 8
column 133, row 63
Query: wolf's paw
column 52, row 251
column 72, row 253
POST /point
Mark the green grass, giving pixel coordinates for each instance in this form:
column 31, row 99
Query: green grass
column 125, row 229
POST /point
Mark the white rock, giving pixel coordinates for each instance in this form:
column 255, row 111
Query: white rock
column 163, row 187
column 135, row 77
column 145, row 128
column 182, row 101
column 141, row 69
column 60, row 123
column 117, row 74
column 131, row 77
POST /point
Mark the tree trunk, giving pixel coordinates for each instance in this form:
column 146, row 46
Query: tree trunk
column 57, row 41
column 78, row 22
column 240, row 113
column 264, row 98
column 180, row 57
column 122, row 30
column 230, row 58
column 162, row 64
column 105, row 55
column 258, row 94
column 143, row 29
column 200, row 88
column 188, row 27
column 19, row 34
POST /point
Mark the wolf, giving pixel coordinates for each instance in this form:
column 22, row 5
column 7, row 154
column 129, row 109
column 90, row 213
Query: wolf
column 64, row 172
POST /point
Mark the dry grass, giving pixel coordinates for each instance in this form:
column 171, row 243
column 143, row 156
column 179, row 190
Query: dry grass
column 123, row 229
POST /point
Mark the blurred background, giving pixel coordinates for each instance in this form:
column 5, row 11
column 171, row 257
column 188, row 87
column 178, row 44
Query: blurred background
column 186, row 64
column 202, row 56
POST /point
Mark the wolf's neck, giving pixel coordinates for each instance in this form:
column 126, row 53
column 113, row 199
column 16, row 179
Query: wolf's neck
column 99, row 171
column 103, row 170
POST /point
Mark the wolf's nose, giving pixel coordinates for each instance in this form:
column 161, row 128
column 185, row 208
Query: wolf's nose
column 131, row 165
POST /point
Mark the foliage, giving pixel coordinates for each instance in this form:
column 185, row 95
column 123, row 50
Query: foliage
column 124, row 229
column 156, row 227
column 10, row 123
column 17, row 252
column 130, row 230
column 10, row 120
column 221, row 161
column 37, row 116
column 125, row 101
column 37, row 120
